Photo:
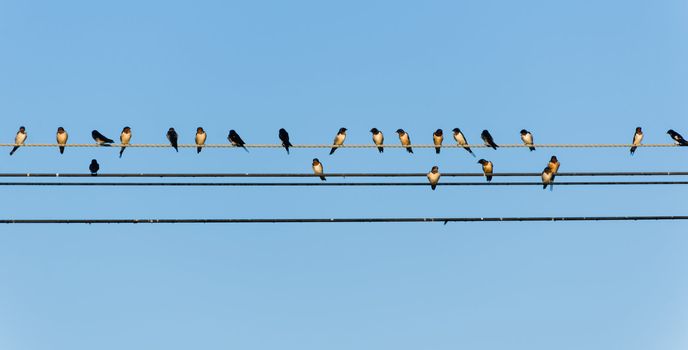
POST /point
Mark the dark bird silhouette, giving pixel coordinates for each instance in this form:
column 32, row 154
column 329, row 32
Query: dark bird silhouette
column 284, row 137
column 527, row 139
column 62, row 138
column 339, row 139
column 437, row 139
column 637, row 139
column 461, row 140
column 677, row 137
column 405, row 139
column 94, row 167
column 236, row 140
column 19, row 139
column 378, row 139
column 487, row 138
column 124, row 139
column 174, row 138
column 100, row 138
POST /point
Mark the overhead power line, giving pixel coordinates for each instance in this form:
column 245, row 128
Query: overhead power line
column 309, row 175
column 334, row 184
column 328, row 146
column 344, row 220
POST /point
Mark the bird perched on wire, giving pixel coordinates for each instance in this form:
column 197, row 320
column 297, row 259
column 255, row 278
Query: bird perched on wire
column 19, row 139
column 200, row 139
column 637, row 139
column 546, row 177
column 338, row 139
column 461, row 140
column 173, row 138
column 378, row 139
column 437, row 139
column 487, row 169
column 100, row 138
column 62, row 138
column 434, row 177
column 318, row 169
column 677, row 137
column 487, row 138
column 94, row 167
column 405, row 139
column 554, row 166
column 284, row 137
column 236, row 140
column 527, row 139
column 124, row 139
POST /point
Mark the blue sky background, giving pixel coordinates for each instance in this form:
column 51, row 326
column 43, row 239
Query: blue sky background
column 571, row 72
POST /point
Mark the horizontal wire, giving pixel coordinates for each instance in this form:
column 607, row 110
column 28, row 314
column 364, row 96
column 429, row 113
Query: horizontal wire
column 343, row 220
column 335, row 184
column 166, row 145
column 309, row 175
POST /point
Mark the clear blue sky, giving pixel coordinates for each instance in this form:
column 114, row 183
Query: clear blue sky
column 571, row 72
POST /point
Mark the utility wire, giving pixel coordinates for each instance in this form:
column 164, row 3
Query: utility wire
column 309, row 175
column 226, row 145
column 343, row 220
column 334, row 184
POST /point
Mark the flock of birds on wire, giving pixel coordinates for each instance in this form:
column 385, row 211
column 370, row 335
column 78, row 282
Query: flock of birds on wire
column 548, row 174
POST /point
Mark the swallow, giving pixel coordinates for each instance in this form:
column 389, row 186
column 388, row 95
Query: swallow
column 489, row 141
column 527, row 139
column 284, row 137
column 461, row 140
column 547, row 177
column 100, row 138
column 339, row 139
column 677, row 137
column 405, row 139
column 200, row 139
column 318, row 168
column 487, row 168
column 124, row 138
column 173, row 137
column 637, row 139
column 378, row 138
column 554, row 166
column 19, row 139
column 236, row 140
column 94, row 167
column 62, row 137
column 434, row 177
column 437, row 139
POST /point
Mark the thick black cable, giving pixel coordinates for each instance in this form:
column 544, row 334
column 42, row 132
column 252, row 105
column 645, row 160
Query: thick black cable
column 335, row 184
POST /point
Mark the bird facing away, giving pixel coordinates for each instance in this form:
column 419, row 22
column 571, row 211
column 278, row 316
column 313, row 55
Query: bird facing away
column 637, row 139
column 19, row 139
column 339, row 139
column 200, row 139
column 437, row 139
column 124, row 139
column 100, row 138
column 378, row 139
column 318, row 168
column 174, row 138
column 487, row 169
column 554, row 166
column 62, row 138
column 487, row 138
column 527, row 139
column 434, row 177
column 546, row 177
column 677, row 137
column 94, row 167
column 405, row 139
column 461, row 140
column 284, row 137
column 236, row 140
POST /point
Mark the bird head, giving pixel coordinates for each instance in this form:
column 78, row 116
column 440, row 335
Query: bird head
column 456, row 130
column 375, row 131
column 524, row 132
column 342, row 130
column 638, row 130
column 438, row 132
column 316, row 161
column 482, row 161
column 22, row 129
column 435, row 169
column 553, row 159
column 199, row 130
column 401, row 131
